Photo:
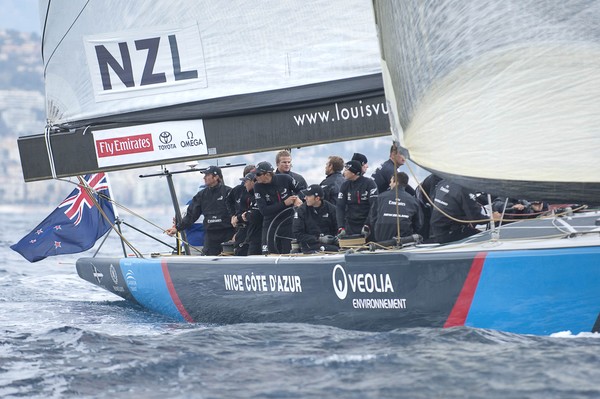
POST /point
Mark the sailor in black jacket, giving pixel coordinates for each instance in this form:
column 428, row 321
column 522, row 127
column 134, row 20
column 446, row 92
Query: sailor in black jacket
column 332, row 183
column 357, row 195
column 283, row 161
column 238, row 202
column 314, row 223
column 209, row 202
column 455, row 201
column 253, row 219
column 396, row 207
column 384, row 173
column 274, row 193
column 426, row 195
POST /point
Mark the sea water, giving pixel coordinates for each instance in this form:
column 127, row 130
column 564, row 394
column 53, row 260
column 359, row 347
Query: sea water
column 62, row 337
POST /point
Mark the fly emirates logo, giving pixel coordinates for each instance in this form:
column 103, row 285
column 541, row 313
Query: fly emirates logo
column 124, row 145
column 364, row 284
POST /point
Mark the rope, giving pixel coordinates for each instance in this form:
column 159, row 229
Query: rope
column 396, row 199
column 478, row 221
column 49, row 151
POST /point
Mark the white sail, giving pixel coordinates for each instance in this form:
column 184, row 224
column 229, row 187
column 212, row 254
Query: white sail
column 113, row 57
column 144, row 82
column 501, row 95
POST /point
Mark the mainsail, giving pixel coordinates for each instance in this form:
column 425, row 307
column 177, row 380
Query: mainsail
column 503, row 96
column 234, row 77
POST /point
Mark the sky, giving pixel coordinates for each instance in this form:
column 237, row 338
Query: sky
column 21, row 15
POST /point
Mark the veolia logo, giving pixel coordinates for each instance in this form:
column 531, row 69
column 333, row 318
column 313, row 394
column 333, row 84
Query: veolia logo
column 340, row 283
column 113, row 274
column 362, row 283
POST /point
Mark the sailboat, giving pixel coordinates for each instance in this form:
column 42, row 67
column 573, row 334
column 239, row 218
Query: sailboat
column 134, row 84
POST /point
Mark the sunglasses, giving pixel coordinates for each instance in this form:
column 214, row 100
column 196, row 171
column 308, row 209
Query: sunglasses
column 259, row 174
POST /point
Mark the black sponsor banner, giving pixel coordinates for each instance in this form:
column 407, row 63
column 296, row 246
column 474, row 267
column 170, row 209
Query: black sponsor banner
column 324, row 122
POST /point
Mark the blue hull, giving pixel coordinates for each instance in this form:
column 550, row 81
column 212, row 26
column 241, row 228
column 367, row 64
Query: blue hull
column 538, row 291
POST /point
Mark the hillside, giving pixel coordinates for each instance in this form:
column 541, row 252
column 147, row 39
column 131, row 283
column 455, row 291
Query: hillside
column 21, row 84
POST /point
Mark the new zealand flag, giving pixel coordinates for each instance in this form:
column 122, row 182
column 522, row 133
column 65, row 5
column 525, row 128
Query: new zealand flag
column 74, row 226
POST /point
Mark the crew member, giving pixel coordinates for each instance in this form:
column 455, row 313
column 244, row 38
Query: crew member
column 332, row 183
column 364, row 162
column 253, row 218
column 396, row 207
column 462, row 209
column 275, row 193
column 237, row 203
column 384, row 173
column 315, row 223
column 357, row 195
column 283, row 162
column 209, row 202
column 427, row 187
column 513, row 208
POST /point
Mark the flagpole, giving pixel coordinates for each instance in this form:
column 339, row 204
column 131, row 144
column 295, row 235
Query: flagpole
column 116, row 212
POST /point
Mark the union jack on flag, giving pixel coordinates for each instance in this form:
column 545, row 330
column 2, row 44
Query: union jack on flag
column 74, row 229
column 80, row 198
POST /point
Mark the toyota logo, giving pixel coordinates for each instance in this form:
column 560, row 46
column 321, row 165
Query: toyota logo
column 165, row 137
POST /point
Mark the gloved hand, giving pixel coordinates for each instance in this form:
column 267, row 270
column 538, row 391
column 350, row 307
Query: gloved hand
column 329, row 240
column 341, row 232
column 365, row 231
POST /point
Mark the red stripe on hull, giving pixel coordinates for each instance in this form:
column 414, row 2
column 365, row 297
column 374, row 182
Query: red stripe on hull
column 460, row 311
column 173, row 293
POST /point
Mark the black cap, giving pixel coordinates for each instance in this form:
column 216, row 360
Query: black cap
column 213, row 170
column 360, row 158
column 249, row 176
column 314, row 189
column 263, row 167
column 354, row 167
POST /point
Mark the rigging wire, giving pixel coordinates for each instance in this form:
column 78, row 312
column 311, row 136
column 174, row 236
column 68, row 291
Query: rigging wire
column 62, row 38
column 85, row 186
column 133, row 213
column 44, row 29
column 396, row 199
